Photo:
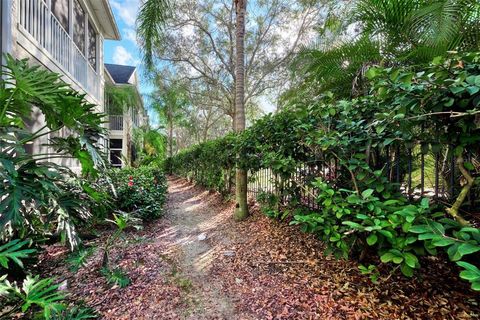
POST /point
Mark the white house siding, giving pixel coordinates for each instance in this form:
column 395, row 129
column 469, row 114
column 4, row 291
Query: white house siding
column 35, row 48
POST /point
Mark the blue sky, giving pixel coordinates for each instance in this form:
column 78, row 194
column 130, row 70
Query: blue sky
column 126, row 51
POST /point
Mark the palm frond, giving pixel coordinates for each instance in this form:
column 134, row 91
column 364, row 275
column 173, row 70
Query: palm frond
column 151, row 20
column 334, row 69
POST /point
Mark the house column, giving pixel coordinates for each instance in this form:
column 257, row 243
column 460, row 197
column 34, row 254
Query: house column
column 6, row 12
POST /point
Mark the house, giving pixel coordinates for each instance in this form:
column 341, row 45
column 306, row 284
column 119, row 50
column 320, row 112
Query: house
column 126, row 112
column 64, row 36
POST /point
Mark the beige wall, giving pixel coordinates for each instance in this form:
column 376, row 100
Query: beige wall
column 24, row 46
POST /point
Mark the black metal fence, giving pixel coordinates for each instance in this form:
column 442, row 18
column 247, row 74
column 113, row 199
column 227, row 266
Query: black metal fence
column 417, row 173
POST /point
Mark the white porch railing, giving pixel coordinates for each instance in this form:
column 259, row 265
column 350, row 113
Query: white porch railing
column 40, row 23
column 116, row 122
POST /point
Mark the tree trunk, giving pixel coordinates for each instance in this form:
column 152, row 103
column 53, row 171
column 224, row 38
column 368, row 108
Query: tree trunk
column 170, row 140
column 241, row 209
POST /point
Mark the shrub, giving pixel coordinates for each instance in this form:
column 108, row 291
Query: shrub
column 141, row 191
column 434, row 108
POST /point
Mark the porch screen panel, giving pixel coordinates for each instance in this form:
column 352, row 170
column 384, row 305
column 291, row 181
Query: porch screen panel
column 79, row 26
column 92, row 46
column 60, row 9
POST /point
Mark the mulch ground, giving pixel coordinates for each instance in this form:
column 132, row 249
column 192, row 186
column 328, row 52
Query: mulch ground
column 268, row 269
column 280, row 273
column 153, row 292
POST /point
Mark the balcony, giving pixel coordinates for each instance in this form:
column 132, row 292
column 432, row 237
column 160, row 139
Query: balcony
column 40, row 25
column 116, row 122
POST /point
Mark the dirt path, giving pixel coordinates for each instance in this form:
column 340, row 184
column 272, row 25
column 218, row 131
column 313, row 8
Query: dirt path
column 196, row 262
column 196, row 239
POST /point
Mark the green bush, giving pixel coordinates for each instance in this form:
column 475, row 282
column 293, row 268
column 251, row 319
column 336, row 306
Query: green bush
column 140, row 190
column 430, row 107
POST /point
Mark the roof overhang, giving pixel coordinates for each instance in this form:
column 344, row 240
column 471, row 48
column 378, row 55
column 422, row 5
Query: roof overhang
column 106, row 19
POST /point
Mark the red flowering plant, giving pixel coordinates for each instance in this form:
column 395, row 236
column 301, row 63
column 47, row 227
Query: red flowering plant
column 144, row 192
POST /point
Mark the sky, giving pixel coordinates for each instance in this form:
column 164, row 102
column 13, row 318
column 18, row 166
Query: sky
column 126, row 51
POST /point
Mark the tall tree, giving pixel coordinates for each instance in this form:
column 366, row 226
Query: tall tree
column 199, row 45
column 169, row 101
column 241, row 207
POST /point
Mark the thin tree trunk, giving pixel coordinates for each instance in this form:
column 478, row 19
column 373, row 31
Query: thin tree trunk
column 241, row 208
column 170, row 140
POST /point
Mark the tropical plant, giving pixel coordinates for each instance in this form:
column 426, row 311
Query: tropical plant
column 150, row 23
column 121, row 221
column 79, row 258
column 116, row 276
column 347, row 145
column 14, row 251
column 169, row 102
column 36, row 194
column 75, row 313
column 33, row 292
column 388, row 33
column 151, row 145
column 241, row 207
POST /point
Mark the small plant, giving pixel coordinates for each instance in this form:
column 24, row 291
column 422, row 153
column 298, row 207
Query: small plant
column 33, row 292
column 116, row 276
column 122, row 221
column 269, row 205
column 79, row 258
column 13, row 251
column 370, row 271
column 184, row 283
column 471, row 274
column 75, row 313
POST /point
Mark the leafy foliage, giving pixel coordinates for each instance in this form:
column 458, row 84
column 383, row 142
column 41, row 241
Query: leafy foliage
column 75, row 313
column 141, row 191
column 34, row 291
column 388, row 33
column 116, row 276
column 37, row 195
column 13, row 251
column 434, row 106
column 79, row 258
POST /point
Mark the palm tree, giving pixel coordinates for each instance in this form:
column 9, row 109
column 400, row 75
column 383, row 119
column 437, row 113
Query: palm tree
column 150, row 23
column 391, row 32
column 169, row 102
column 151, row 20
column 241, row 208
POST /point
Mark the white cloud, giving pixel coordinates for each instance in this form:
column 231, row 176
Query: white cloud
column 122, row 56
column 127, row 10
column 130, row 34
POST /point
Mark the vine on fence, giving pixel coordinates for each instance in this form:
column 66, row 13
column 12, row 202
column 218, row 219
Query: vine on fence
column 434, row 109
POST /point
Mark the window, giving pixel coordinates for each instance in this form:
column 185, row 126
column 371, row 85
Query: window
column 92, row 46
column 60, row 9
column 116, row 152
column 79, row 26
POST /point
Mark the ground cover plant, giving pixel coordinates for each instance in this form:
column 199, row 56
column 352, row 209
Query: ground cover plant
column 361, row 211
column 43, row 201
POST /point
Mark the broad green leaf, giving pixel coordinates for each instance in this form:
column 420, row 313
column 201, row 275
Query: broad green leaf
column 406, row 270
column 372, row 239
column 467, row 248
column 410, row 259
